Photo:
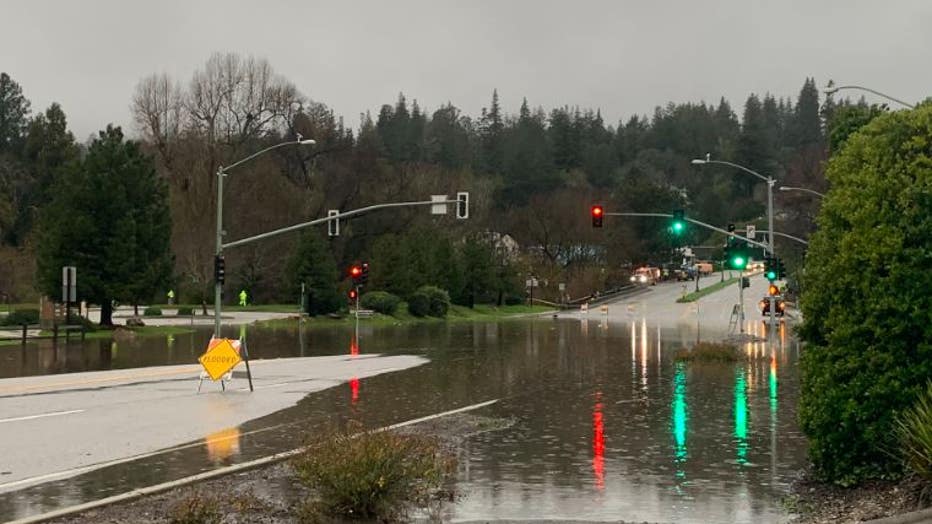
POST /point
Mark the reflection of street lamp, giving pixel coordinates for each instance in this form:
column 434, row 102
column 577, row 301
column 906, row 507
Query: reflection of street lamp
column 221, row 172
column 806, row 190
column 831, row 89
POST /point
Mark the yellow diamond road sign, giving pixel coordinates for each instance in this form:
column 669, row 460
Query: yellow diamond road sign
column 220, row 357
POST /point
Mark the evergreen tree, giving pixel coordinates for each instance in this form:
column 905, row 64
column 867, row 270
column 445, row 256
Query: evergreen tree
column 492, row 136
column 807, row 124
column 529, row 165
column 109, row 217
column 313, row 265
column 14, row 114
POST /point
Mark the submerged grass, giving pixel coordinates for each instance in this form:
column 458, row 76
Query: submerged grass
column 372, row 475
column 696, row 295
column 707, row 352
column 481, row 312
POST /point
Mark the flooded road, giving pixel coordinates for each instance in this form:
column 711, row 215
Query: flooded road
column 606, row 424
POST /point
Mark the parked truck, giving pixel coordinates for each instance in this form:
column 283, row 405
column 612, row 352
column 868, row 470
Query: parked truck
column 646, row 275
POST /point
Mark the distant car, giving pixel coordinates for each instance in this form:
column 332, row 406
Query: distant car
column 778, row 301
column 755, row 265
column 646, row 276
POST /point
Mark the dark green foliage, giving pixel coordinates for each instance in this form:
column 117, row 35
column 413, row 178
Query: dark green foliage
column 438, row 299
column 914, row 431
column 152, row 311
column 375, row 474
column 866, row 300
column 109, row 217
column 380, row 301
column 21, row 316
column 313, row 264
column 847, row 119
column 14, row 114
column 185, row 311
column 419, row 304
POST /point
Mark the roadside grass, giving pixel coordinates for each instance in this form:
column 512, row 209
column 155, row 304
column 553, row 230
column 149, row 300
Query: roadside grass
column 709, row 352
column 481, row 312
column 696, row 295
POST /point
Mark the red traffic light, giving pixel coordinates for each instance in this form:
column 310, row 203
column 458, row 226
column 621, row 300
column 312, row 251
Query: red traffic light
column 352, row 294
column 597, row 211
column 597, row 214
column 355, row 271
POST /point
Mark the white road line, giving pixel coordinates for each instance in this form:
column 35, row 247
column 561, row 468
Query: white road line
column 136, row 493
column 43, row 415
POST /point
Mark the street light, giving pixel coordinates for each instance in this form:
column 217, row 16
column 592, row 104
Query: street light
column 806, row 190
column 221, row 172
column 831, row 89
column 770, row 182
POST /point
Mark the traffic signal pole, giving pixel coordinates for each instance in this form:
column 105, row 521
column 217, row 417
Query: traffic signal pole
column 692, row 221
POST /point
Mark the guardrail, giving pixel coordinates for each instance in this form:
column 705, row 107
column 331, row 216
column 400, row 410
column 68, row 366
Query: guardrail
column 593, row 299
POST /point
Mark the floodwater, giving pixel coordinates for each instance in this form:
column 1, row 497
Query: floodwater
column 606, row 425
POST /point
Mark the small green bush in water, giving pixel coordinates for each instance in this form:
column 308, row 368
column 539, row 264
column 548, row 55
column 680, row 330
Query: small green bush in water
column 914, row 430
column 380, row 301
column 709, row 352
column 373, row 474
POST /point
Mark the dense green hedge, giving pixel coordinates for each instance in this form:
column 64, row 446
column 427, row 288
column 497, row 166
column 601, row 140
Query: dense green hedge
column 380, row 301
column 21, row 316
column 867, row 298
column 429, row 300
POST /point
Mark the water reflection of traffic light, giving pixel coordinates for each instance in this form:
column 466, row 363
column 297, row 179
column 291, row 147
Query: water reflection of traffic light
column 680, row 424
column 598, row 442
column 223, row 444
column 741, row 417
column 353, row 346
column 354, row 389
column 773, row 382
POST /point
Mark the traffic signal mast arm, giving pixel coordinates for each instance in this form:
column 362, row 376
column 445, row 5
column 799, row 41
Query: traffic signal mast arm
column 334, row 217
column 693, row 221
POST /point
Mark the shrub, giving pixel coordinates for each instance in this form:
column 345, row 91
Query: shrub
column 195, row 508
column 152, row 311
column 514, row 300
column 419, row 304
column 439, row 300
column 866, row 300
column 380, row 301
column 914, row 432
column 21, row 316
column 373, row 474
column 185, row 311
column 709, row 352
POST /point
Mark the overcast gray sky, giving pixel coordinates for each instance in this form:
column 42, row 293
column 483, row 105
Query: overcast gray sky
column 624, row 57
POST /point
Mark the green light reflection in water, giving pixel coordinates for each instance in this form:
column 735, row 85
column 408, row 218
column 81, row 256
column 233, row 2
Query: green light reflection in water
column 741, row 416
column 680, row 416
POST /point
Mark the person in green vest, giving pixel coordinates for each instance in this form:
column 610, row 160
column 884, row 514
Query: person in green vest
column 171, row 296
column 242, row 297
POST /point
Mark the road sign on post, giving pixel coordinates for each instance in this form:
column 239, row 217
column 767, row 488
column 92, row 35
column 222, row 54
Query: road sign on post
column 69, row 284
column 438, row 209
column 462, row 205
column 333, row 226
column 751, row 230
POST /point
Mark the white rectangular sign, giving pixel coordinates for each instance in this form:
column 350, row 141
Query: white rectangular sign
column 438, row 209
column 752, row 229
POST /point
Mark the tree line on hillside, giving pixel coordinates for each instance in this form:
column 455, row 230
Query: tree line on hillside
column 532, row 177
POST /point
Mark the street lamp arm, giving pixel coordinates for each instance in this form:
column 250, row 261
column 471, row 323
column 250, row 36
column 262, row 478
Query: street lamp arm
column 785, row 235
column 736, row 166
column 833, row 90
column 224, row 169
column 804, row 189
column 694, row 221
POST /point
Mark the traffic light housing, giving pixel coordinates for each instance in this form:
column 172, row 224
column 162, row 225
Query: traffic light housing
column 364, row 274
column 678, row 225
column 462, row 205
column 353, row 295
column 771, row 271
column 736, row 257
column 355, row 272
column 781, row 269
column 219, row 269
column 598, row 213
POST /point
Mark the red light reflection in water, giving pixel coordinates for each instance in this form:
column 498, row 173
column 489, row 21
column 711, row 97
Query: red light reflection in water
column 354, row 389
column 353, row 347
column 598, row 443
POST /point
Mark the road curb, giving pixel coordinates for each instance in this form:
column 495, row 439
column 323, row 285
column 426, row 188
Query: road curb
column 207, row 475
column 913, row 517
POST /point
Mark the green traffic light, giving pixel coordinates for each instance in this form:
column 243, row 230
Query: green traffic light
column 678, row 227
column 771, row 275
column 738, row 262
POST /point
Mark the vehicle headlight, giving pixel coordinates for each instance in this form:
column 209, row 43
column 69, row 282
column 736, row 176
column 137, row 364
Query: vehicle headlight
column 643, row 278
column 633, row 279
